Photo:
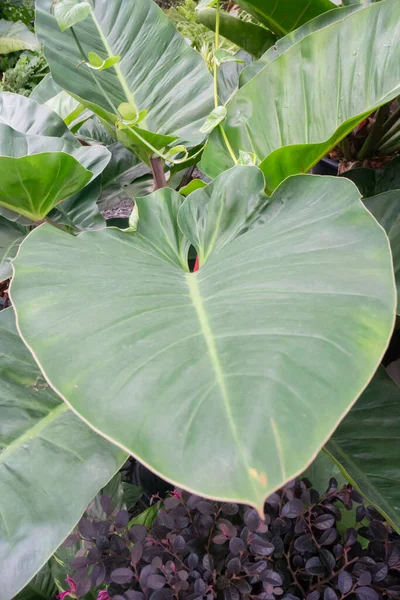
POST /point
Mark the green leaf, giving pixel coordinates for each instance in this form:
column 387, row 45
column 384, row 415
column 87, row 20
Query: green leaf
column 321, row 470
column 371, row 182
column 214, row 119
column 366, row 446
column 250, row 37
column 15, row 37
column 40, row 169
column 172, row 84
column 283, row 44
column 81, row 211
column 146, row 517
column 46, row 453
column 97, row 63
column 283, row 16
column 295, row 109
column 70, row 12
column 11, row 235
column 228, row 75
column 41, row 587
column 195, row 184
column 51, row 95
column 229, row 369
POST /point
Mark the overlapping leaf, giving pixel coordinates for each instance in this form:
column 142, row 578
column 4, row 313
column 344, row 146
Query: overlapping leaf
column 290, row 117
column 366, row 445
column 51, row 464
column 16, row 36
column 11, row 235
column 215, row 378
column 172, row 84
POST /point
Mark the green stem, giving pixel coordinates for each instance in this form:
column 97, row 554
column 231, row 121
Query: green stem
column 216, row 99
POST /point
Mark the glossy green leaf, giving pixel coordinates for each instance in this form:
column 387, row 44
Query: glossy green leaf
column 283, row 16
column 250, row 37
column 28, row 116
column 51, row 95
column 283, row 44
column 11, row 235
column 81, row 211
column 296, row 109
column 16, row 36
column 172, row 84
column 46, row 453
column 227, row 369
column 195, row 184
column 228, row 75
column 366, row 445
column 214, row 119
column 70, row 12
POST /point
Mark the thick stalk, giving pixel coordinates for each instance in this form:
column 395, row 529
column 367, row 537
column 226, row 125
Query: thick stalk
column 158, row 173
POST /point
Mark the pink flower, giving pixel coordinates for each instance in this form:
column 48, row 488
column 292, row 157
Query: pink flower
column 176, row 494
column 70, row 592
column 103, row 595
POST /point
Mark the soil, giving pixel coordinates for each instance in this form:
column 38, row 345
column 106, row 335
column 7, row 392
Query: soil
column 4, row 297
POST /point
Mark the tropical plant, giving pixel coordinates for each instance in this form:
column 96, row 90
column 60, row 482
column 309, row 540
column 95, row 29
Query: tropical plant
column 326, row 546
column 228, row 378
column 16, row 36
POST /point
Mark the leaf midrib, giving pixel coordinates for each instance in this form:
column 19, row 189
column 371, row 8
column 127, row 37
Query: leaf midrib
column 198, row 304
column 33, row 431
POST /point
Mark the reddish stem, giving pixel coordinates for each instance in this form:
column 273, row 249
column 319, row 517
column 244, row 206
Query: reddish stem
column 196, row 264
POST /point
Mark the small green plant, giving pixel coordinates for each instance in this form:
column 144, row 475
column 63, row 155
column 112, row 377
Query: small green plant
column 25, row 75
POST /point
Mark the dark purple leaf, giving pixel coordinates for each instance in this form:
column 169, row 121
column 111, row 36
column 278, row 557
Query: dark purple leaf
column 94, row 555
column 208, row 562
column 122, row 519
column 220, row 539
column 236, row 546
column 354, row 495
column 228, row 508
column 261, row 547
column 292, row 509
column 255, row 568
column 86, row 529
column 136, row 552
column 394, row 554
column 144, row 574
column 274, row 500
column 360, row 513
column 364, row 579
column 227, row 528
column 330, row 594
column 314, row 566
column 101, row 528
column 315, row 595
column 156, row 582
column 366, row 593
column 172, row 502
column 379, row 572
column 305, row 543
column 183, row 575
column 327, row 558
column 98, row 575
column 106, row 504
column 192, row 560
column 271, row 577
column 71, row 540
column 328, row 537
column 338, row 551
column 178, row 544
column 345, row 582
column 350, row 537
column 133, row 595
column 378, row 530
column 244, row 587
column 137, row 533
column 117, row 544
column 324, row 522
column 394, row 591
column 200, row 587
column 205, row 507
column 334, row 510
column 83, row 587
column 252, row 519
column 79, row 562
column 333, row 485
column 233, row 567
column 121, row 576
column 300, row 527
column 280, row 526
column 157, row 562
column 163, row 594
column 231, row 593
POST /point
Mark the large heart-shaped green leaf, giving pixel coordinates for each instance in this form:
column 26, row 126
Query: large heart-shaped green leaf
column 296, row 109
column 51, row 464
column 366, row 445
column 11, row 235
column 283, row 16
column 56, row 99
column 214, row 379
column 172, row 83
column 15, row 37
